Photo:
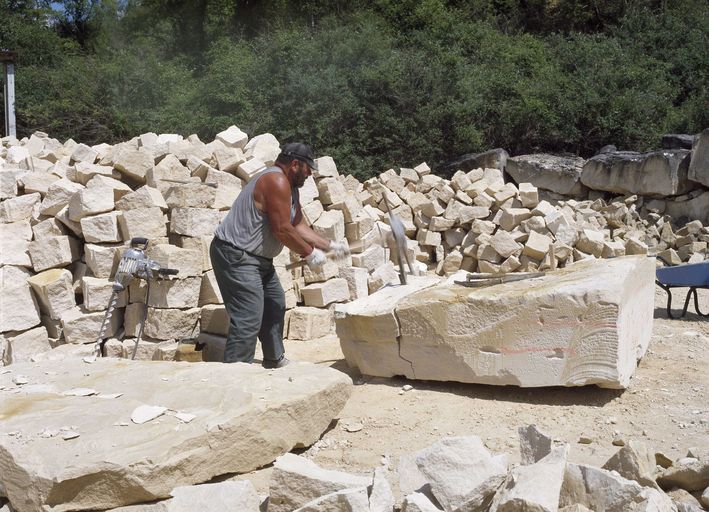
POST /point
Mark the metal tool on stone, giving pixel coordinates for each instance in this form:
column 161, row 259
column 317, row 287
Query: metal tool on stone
column 479, row 280
column 134, row 264
column 398, row 233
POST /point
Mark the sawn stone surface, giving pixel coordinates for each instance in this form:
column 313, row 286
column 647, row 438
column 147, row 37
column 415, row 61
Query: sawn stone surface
column 588, row 323
column 59, row 451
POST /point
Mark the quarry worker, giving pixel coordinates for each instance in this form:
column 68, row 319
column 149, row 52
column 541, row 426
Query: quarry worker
column 265, row 216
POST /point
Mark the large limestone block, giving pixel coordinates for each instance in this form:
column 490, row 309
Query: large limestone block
column 555, row 173
column 18, row 306
column 134, row 163
column 699, row 165
column 322, row 294
column 265, row 147
column 101, row 228
column 144, row 197
column 58, row 195
column 190, row 195
column 296, row 481
column 244, row 418
column 233, row 137
column 97, row 293
column 15, row 244
column 102, row 260
column 369, row 330
column 658, row 173
column 166, row 324
column 187, row 262
column 588, row 323
column 55, row 291
column 175, row 293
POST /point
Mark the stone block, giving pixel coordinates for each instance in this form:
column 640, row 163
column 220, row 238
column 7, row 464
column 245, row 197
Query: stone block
column 296, row 481
column 214, row 319
column 634, row 246
column 9, row 178
column 102, row 228
column 555, row 173
column 534, row 445
column 331, row 191
column 350, row 207
column 356, row 231
column 119, row 188
column 330, row 225
column 191, row 195
column 597, row 316
column 20, row 208
column 85, row 172
column 175, row 293
column 82, row 326
column 247, row 170
column 144, row 197
column 512, row 217
column 504, row 244
column 307, row 323
column 209, row 290
column 382, row 276
column 14, row 244
column 37, row 182
column 634, row 461
column 699, row 165
column 90, row 201
column 57, row 251
column 229, row 159
column 312, row 211
column 166, row 324
column 21, row 347
column 188, row 262
column 370, row 258
column 102, row 260
column 537, row 245
column 83, row 153
column 97, row 291
column 428, row 237
column 148, row 223
column 265, row 147
column 199, row 243
column 323, row 294
column 458, row 468
column 194, row 221
column 329, row 270
column 590, row 242
column 134, row 163
column 301, row 405
column 54, row 291
column 528, row 195
column 356, row 281
column 233, row 137
column 18, row 306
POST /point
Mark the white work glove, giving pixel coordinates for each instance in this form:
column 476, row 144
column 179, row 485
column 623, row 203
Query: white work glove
column 339, row 249
column 316, row 259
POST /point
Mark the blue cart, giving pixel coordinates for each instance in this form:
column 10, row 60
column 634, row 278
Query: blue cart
column 694, row 276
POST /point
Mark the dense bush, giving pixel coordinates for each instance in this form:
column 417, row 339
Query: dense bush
column 374, row 84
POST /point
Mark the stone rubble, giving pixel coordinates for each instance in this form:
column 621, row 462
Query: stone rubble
column 72, row 209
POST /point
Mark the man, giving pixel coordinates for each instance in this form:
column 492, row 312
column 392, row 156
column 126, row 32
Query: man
column 264, row 217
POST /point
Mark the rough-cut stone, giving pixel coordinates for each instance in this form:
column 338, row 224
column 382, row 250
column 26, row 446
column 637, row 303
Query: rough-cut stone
column 102, row 260
column 141, row 463
column 534, row 487
column 555, row 173
column 597, row 318
column 233, row 137
column 209, row 290
column 101, row 228
column 144, row 197
column 97, row 293
column 534, row 445
column 175, row 293
column 134, row 163
column 187, row 262
column 347, row 500
column 457, row 467
column 148, row 223
column 166, row 324
column 658, row 173
column 635, row 462
column 356, row 281
column 190, row 195
column 307, row 323
column 330, row 225
column 418, row 502
column 194, row 221
column 699, row 165
column 18, row 306
column 54, row 290
column 322, row 294
column 82, row 326
column 22, row 347
column 690, row 475
column 296, row 481
column 57, row 251
column 20, row 208
column 14, row 244
column 599, row 489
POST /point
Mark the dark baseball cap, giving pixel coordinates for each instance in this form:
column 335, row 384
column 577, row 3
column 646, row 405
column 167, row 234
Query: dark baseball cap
column 300, row 152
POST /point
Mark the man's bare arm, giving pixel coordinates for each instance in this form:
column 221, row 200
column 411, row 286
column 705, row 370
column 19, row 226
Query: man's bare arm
column 273, row 195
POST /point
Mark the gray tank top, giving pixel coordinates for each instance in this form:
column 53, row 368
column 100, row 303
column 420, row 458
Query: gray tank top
column 247, row 227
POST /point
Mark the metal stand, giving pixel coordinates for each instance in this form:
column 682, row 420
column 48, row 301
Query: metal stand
column 692, row 291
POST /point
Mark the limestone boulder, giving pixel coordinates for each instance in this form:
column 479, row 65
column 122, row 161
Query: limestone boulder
column 234, row 419
column 699, row 165
column 597, row 319
column 493, row 159
column 554, row 173
column 634, row 461
column 658, row 173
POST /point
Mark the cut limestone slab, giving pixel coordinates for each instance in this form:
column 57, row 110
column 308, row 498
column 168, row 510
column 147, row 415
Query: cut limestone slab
column 588, row 323
column 245, row 417
column 368, row 328
column 19, row 309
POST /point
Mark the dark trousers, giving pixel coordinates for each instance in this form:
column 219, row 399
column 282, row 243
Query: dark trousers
column 254, row 300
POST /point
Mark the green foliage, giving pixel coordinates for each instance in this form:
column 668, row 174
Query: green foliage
column 373, row 84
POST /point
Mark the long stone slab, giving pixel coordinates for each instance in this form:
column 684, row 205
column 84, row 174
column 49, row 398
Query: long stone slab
column 64, row 452
column 588, row 323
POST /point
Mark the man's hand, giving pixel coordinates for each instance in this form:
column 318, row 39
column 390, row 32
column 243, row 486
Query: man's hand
column 316, row 259
column 339, row 249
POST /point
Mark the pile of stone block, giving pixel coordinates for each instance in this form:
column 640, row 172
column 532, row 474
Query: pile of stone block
column 68, row 211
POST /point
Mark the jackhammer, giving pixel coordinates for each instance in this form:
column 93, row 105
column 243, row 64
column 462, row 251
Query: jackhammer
column 134, row 264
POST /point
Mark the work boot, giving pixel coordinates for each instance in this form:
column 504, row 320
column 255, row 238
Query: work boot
column 270, row 364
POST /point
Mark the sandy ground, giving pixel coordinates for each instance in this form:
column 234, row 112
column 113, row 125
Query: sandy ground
column 666, row 406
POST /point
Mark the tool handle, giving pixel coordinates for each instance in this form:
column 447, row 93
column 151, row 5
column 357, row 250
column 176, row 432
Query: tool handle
column 167, row 271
